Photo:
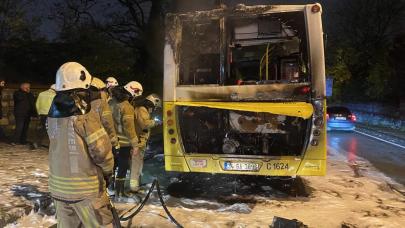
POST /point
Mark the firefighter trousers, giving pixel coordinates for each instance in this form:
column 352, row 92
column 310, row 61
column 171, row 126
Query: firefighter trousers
column 136, row 170
column 87, row 213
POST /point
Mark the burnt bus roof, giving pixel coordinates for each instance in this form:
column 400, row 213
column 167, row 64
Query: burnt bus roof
column 237, row 11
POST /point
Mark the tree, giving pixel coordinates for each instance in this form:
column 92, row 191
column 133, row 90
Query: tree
column 135, row 24
column 17, row 29
column 341, row 74
column 364, row 30
column 139, row 26
column 13, row 21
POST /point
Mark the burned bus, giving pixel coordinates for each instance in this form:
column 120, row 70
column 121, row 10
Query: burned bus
column 244, row 91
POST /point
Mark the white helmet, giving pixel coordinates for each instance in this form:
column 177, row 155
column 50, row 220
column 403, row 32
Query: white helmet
column 72, row 75
column 111, row 82
column 134, row 88
column 155, row 99
column 96, row 82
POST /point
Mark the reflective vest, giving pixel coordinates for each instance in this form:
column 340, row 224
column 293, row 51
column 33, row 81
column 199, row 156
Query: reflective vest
column 44, row 101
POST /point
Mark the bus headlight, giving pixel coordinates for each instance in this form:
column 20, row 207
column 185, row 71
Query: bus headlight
column 173, row 140
column 170, row 122
column 318, row 121
column 314, row 142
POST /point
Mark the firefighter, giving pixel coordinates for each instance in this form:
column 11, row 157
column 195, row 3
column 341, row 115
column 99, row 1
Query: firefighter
column 100, row 105
column 110, row 83
column 143, row 124
column 123, row 114
column 80, row 157
column 43, row 104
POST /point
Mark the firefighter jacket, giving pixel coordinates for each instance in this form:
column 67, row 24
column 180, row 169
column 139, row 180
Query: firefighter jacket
column 79, row 153
column 44, row 101
column 123, row 115
column 143, row 124
column 101, row 107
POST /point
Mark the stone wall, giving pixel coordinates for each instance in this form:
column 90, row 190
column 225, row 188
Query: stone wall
column 8, row 107
column 378, row 114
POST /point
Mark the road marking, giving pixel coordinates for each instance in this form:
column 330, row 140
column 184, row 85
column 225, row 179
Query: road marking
column 380, row 139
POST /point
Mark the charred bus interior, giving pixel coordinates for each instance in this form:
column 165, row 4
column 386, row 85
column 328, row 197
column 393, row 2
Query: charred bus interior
column 268, row 49
column 218, row 131
column 245, row 50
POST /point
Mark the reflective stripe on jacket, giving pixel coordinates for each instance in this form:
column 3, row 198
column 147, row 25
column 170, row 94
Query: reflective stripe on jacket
column 79, row 156
column 124, row 120
column 143, row 124
column 101, row 107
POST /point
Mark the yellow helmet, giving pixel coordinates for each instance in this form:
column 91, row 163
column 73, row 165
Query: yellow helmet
column 96, row 82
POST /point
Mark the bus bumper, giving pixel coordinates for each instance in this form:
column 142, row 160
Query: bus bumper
column 284, row 166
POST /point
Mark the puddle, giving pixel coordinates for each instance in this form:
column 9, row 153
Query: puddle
column 41, row 201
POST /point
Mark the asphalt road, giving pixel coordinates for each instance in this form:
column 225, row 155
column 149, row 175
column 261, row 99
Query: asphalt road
column 387, row 158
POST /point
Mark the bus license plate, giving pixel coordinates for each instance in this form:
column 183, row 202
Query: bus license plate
column 241, row 166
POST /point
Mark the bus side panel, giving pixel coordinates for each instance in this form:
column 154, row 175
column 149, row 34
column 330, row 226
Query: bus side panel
column 176, row 163
column 312, row 168
column 170, row 73
column 171, row 133
column 317, row 57
column 314, row 161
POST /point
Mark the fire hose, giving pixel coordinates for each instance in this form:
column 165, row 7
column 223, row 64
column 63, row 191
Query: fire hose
column 124, row 217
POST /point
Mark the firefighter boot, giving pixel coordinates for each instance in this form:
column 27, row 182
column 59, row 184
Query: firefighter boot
column 118, row 188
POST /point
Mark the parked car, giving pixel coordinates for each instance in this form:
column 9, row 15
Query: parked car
column 340, row 118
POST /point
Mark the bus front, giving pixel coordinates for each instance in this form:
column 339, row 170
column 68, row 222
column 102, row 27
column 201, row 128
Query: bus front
column 244, row 91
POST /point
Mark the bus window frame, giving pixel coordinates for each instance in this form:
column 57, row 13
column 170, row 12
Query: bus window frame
column 225, row 38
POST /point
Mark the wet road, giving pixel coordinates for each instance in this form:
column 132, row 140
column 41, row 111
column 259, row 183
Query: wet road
column 387, row 158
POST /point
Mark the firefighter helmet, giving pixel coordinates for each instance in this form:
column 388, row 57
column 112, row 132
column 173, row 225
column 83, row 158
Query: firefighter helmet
column 134, row 88
column 111, row 82
column 155, row 99
column 96, row 82
column 72, row 75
